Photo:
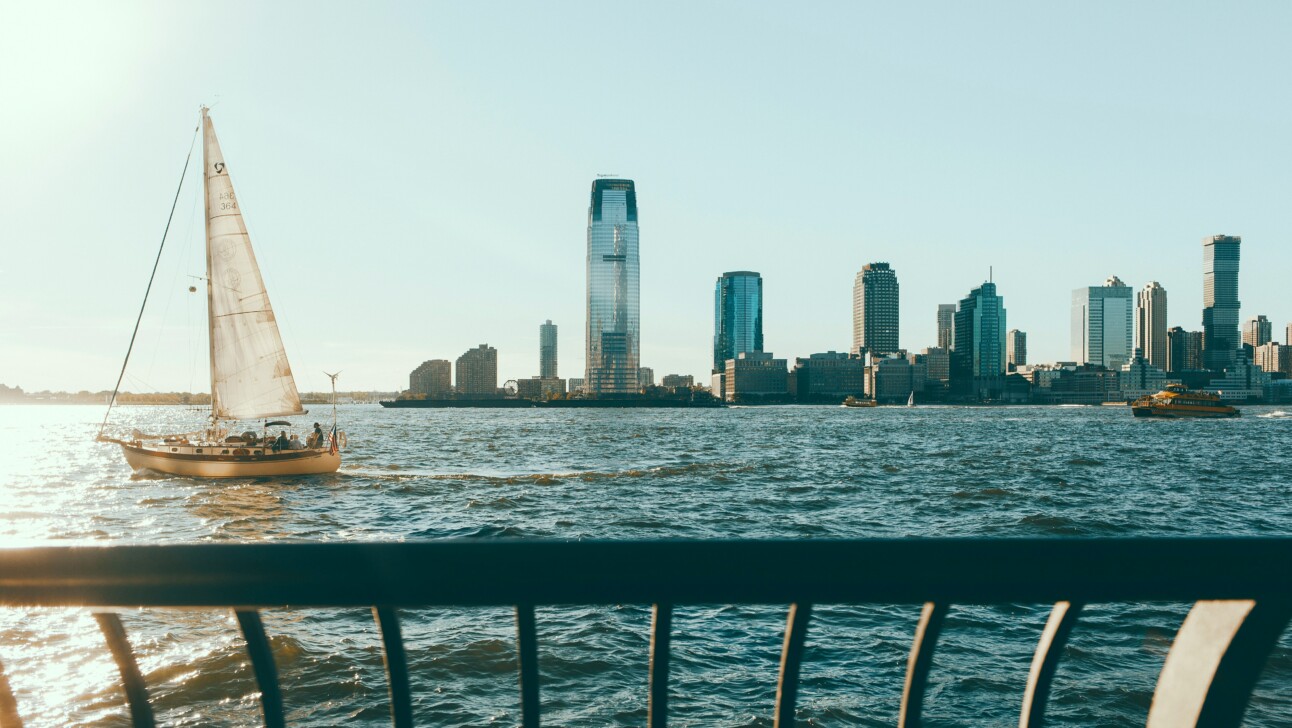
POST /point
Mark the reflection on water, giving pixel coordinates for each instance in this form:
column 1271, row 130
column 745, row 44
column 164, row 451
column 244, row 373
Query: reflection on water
column 784, row 472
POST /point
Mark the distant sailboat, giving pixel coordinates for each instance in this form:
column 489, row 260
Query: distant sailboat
column 250, row 376
column 910, row 401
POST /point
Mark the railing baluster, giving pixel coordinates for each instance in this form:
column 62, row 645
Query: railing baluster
column 262, row 663
column 401, row 705
column 661, row 628
column 1046, row 660
column 9, row 717
column 919, row 662
column 527, row 653
column 114, row 633
column 1214, row 662
column 787, row 688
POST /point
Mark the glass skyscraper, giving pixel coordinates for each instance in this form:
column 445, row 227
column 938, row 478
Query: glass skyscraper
column 1220, row 301
column 1103, row 324
column 979, row 357
column 874, row 310
column 737, row 316
column 614, row 281
column 547, row 350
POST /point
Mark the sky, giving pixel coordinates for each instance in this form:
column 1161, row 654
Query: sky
column 415, row 177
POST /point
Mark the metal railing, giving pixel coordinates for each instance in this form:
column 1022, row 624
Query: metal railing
column 1240, row 587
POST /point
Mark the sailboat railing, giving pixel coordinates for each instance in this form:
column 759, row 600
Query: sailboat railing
column 1242, row 600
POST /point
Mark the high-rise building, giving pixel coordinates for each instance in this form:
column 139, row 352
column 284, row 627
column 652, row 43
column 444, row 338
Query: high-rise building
column 1273, row 357
column 1103, row 324
column 1183, row 350
column 614, row 280
column 737, row 316
column 1258, row 331
column 1015, row 348
column 1220, row 254
column 645, row 377
column 978, row 358
column 874, row 310
column 433, row 379
column 938, row 362
column 1150, row 324
column 478, row 371
column 547, row 350
column 1287, row 335
column 946, row 326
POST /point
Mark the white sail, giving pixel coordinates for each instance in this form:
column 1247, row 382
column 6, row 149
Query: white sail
column 250, row 376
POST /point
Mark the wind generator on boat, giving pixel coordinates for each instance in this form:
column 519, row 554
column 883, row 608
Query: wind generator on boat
column 251, row 380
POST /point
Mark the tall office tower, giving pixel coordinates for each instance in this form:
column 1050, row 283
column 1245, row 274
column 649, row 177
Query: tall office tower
column 1183, row 350
column 1016, row 348
column 946, row 325
column 1103, row 324
column 1287, row 335
column 478, row 371
column 433, row 378
column 1150, row 324
column 874, row 310
column 978, row 358
column 1257, row 331
column 547, row 350
column 614, row 279
column 1220, row 305
column 737, row 316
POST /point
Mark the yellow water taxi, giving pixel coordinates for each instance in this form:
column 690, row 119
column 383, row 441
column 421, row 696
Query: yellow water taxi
column 854, row 402
column 1177, row 401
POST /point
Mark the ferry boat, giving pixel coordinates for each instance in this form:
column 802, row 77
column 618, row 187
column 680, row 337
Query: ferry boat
column 1177, row 401
column 854, row 402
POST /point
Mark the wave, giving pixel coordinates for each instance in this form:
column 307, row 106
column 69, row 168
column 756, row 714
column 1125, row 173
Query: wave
column 1276, row 414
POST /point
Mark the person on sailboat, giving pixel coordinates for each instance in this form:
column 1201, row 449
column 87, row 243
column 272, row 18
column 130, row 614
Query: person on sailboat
column 282, row 442
column 295, row 443
column 316, row 440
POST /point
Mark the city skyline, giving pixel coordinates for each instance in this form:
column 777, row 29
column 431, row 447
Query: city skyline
column 977, row 160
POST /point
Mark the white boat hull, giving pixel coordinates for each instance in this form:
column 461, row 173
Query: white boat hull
column 206, row 465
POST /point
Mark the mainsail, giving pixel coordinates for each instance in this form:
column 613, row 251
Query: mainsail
column 250, row 376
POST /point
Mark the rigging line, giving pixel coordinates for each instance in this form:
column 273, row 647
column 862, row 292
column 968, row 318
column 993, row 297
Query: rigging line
column 153, row 275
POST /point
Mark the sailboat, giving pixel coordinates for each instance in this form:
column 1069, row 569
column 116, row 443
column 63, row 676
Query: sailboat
column 251, row 380
column 910, row 401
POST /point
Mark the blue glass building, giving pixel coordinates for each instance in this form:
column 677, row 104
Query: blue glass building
column 737, row 316
column 614, row 281
column 979, row 357
column 1220, row 342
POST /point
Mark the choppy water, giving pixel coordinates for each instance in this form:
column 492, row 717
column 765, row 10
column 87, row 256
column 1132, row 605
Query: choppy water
column 779, row 472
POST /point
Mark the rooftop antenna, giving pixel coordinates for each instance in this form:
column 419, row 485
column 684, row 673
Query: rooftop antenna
column 990, row 274
column 606, row 174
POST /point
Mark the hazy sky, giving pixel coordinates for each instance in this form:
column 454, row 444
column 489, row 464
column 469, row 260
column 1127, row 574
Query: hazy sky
column 415, row 178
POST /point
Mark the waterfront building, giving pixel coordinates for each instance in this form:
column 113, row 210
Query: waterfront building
column 1150, row 323
column 645, row 377
column 574, row 384
column 547, row 350
column 978, row 357
column 938, row 362
column 828, row 376
column 946, row 326
column 737, row 316
column 432, row 379
column 1083, row 384
column 893, row 379
column 1220, row 342
column 614, row 278
column 875, row 310
column 1257, row 331
column 1243, row 381
column 755, row 375
column 1183, row 350
column 1102, row 324
column 540, row 388
column 1140, row 378
column 1015, row 349
column 673, row 381
column 478, row 372
column 1273, row 357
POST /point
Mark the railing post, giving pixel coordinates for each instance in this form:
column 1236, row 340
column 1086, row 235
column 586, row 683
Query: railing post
column 787, row 688
column 1214, row 662
column 527, row 655
column 401, row 706
column 919, row 663
column 262, row 664
column 661, row 627
column 114, row 633
column 9, row 717
column 1046, row 660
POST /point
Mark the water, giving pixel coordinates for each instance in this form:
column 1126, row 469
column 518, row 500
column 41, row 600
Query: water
column 778, row 472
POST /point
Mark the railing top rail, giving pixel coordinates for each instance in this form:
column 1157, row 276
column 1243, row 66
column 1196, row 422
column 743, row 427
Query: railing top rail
column 473, row 572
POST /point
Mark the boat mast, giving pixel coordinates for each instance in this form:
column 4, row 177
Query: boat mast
column 210, row 295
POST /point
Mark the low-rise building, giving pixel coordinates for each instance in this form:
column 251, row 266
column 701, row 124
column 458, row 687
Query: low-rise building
column 894, row 379
column 754, row 376
column 645, row 377
column 1139, row 378
column 673, row 381
column 1085, row 384
column 540, row 388
column 1242, row 382
column 828, row 376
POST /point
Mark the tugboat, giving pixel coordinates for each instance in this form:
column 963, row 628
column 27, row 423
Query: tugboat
column 1177, row 401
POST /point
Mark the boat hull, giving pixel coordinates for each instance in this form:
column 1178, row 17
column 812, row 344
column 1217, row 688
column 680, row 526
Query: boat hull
column 1180, row 412
column 291, row 462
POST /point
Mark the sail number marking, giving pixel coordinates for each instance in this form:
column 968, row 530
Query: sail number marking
column 227, row 201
